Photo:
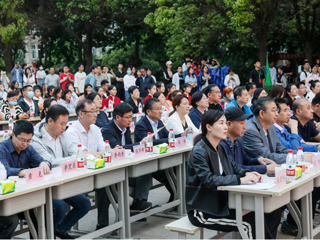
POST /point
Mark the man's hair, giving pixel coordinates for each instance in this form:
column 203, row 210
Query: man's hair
column 279, row 101
column 12, row 94
column 82, row 104
column 22, row 126
column 299, row 83
column 209, row 89
column 121, row 109
column 261, row 104
column 313, row 84
column 238, row 92
column 93, row 67
column 297, row 104
column 316, row 99
column 66, row 65
column 149, row 104
column 24, row 89
column 55, row 111
column 79, row 64
column 132, row 88
column 103, row 82
column 37, row 87
column 250, row 86
column 144, row 68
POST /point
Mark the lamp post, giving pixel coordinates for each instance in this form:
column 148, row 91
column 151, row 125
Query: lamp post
column 98, row 61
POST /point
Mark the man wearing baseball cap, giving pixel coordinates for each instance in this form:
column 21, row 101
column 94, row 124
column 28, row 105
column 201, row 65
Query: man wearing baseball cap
column 236, row 122
column 168, row 73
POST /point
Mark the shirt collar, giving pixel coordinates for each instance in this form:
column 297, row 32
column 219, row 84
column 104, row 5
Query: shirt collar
column 279, row 127
column 152, row 122
column 80, row 127
column 232, row 144
column 47, row 135
column 299, row 123
column 122, row 130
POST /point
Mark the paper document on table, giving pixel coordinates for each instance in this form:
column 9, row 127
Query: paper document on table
column 264, row 185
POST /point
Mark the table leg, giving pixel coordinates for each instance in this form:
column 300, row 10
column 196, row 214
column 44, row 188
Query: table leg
column 259, row 215
column 32, row 228
column 49, row 214
column 296, row 215
column 41, row 222
column 126, row 206
column 307, row 223
column 121, row 206
column 179, row 190
column 239, row 216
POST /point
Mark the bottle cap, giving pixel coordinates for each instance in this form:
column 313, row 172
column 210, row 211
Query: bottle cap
column 290, row 151
column 79, row 145
column 138, row 112
column 6, row 131
column 10, row 116
column 300, row 148
column 106, row 141
column 70, row 124
column 149, row 132
column 171, row 129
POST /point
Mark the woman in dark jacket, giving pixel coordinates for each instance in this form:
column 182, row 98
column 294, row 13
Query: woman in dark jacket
column 209, row 167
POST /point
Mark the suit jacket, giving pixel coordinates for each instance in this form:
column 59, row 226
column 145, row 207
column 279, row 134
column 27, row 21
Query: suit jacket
column 142, row 128
column 25, row 107
column 195, row 116
column 256, row 144
column 133, row 105
column 142, row 84
column 174, row 122
column 112, row 133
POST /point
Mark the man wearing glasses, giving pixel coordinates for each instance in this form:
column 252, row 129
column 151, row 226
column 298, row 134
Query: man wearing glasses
column 260, row 138
column 17, row 156
column 213, row 93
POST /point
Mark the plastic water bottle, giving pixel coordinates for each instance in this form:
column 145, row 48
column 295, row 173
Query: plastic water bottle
column 10, row 123
column 140, row 107
column 138, row 117
column 290, row 110
column 149, row 144
column 31, row 112
column 189, row 135
column 164, row 115
column 300, row 159
column 172, row 139
column 6, row 135
column 107, row 152
column 200, row 129
column 290, row 166
column 225, row 105
column 105, row 109
column 3, row 172
column 110, row 105
column 80, row 158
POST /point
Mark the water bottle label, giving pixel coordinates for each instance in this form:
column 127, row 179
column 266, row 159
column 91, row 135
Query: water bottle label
column 107, row 157
column 80, row 163
column 31, row 115
column 10, row 128
column 189, row 137
column 172, row 144
column 149, row 148
column 291, row 172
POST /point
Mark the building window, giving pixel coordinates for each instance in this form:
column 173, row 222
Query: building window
column 33, row 52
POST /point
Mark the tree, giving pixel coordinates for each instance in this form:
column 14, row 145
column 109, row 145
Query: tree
column 12, row 28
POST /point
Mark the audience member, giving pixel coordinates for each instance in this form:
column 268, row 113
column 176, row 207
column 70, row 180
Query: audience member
column 134, row 98
column 177, row 78
column 112, row 100
column 302, row 90
column 251, row 87
column 213, row 93
column 65, row 77
column 11, row 108
column 102, row 118
column 292, row 92
column 87, row 89
column 143, row 81
column 79, row 79
column 151, row 90
column 90, row 78
column 27, row 101
column 231, row 80
column 199, row 103
column 277, row 91
column 67, row 102
column 315, row 88
column 257, row 75
column 240, row 100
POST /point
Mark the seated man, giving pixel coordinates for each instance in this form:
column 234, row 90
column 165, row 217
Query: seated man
column 293, row 140
column 260, row 137
column 303, row 113
column 241, row 98
column 51, row 142
column 236, row 121
column 213, row 93
column 27, row 101
column 85, row 132
column 17, row 156
column 118, row 133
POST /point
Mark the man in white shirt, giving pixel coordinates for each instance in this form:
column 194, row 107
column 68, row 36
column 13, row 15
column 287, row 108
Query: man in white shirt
column 251, row 87
column 85, row 132
column 184, row 65
column 302, row 90
column 305, row 71
column 100, row 76
column 105, row 71
column 79, row 79
column 177, row 78
column 51, row 142
column 273, row 72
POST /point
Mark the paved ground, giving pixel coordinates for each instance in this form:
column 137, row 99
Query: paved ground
column 153, row 228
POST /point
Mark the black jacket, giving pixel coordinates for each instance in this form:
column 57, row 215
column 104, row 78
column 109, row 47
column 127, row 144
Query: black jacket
column 133, row 105
column 112, row 133
column 143, row 127
column 102, row 119
column 202, row 181
column 142, row 84
column 167, row 79
column 25, row 107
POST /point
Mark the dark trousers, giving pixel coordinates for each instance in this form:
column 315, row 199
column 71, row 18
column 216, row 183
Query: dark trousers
column 228, row 223
column 161, row 177
column 8, row 226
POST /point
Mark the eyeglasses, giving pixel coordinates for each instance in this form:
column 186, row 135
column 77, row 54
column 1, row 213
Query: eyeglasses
column 92, row 112
column 23, row 140
column 273, row 110
column 127, row 117
column 157, row 109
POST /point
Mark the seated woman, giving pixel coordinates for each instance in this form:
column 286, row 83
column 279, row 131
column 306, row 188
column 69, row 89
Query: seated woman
column 11, row 108
column 186, row 89
column 160, row 87
column 258, row 93
column 231, row 80
column 199, row 102
column 37, row 96
column 171, row 87
column 292, row 92
column 87, row 89
column 208, row 167
column 46, row 104
column 166, row 108
column 134, row 99
column 57, row 93
column 102, row 118
column 179, row 120
column 112, row 100
column 67, row 102
column 14, row 86
column 315, row 88
column 313, row 76
column 277, row 91
column 227, row 96
column 172, row 96
column 74, row 95
column 151, row 90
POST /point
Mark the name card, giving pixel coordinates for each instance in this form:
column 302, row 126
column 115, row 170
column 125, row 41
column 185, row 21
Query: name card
column 131, row 126
column 34, row 174
column 69, row 166
column 118, row 154
column 181, row 141
column 139, row 150
column 280, row 174
column 316, row 162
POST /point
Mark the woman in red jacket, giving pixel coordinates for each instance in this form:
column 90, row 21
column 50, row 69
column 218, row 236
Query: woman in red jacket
column 152, row 90
column 112, row 100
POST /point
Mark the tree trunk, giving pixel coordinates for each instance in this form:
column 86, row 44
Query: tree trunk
column 80, row 53
column 7, row 55
column 135, row 58
column 308, row 50
column 263, row 48
column 88, row 55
